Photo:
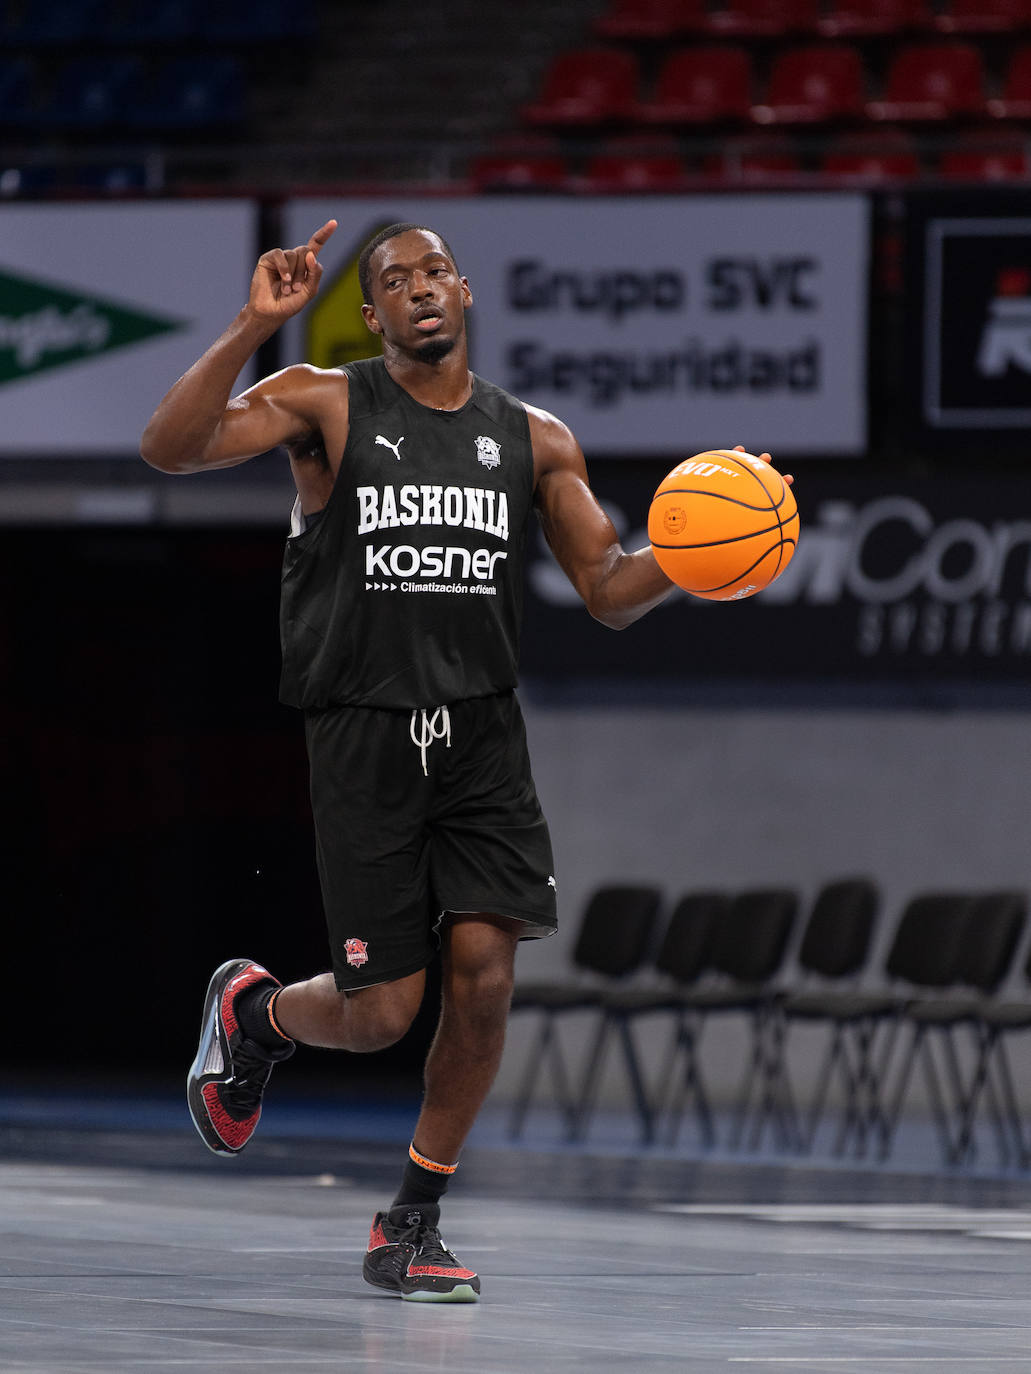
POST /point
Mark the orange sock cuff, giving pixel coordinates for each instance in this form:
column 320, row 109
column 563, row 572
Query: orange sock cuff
column 430, row 1164
column 272, row 1015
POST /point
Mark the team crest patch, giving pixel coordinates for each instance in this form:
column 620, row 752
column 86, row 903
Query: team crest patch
column 488, row 451
column 357, row 952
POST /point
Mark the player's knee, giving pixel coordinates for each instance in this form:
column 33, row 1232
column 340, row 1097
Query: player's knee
column 486, row 991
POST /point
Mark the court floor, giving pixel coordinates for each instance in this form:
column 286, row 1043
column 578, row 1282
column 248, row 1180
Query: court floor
column 134, row 1249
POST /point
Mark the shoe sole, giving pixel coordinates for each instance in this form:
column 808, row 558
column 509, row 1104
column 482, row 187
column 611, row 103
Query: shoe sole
column 462, row 1292
column 196, row 1078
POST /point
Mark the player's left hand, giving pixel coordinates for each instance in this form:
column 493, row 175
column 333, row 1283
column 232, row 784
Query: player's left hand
column 740, row 448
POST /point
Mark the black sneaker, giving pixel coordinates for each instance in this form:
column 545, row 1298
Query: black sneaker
column 228, row 1076
column 407, row 1255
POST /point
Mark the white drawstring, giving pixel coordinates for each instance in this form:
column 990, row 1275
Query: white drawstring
column 429, row 731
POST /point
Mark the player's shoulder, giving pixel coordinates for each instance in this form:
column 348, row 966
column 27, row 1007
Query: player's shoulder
column 305, row 378
column 554, row 443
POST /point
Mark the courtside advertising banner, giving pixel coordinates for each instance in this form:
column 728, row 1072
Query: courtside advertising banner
column 651, row 326
column 102, row 307
column 969, row 282
column 918, row 581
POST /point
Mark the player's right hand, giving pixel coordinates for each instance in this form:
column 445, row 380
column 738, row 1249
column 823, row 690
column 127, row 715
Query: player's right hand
column 286, row 279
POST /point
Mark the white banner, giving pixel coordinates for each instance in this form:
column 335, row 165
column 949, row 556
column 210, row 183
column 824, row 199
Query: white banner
column 654, row 325
column 102, row 307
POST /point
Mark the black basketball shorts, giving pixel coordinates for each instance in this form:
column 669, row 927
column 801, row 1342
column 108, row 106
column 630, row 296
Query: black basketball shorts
column 418, row 814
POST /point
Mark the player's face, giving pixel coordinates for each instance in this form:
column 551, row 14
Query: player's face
column 418, row 298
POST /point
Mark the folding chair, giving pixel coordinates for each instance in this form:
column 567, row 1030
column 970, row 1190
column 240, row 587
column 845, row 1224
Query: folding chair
column 834, row 949
column 993, row 927
column 992, row 1080
column 614, row 939
column 746, row 953
column 922, row 958
column 681, row 958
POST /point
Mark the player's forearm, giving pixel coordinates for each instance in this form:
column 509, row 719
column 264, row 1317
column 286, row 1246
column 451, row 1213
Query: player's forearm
column 632, row 584
column 180, row 433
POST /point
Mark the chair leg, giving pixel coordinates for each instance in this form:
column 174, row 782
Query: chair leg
column 690, row 1085
column 645, row 1110
column 584, row 1106
column 890, row 1116
column 534, row 1061
column 1010, row 1104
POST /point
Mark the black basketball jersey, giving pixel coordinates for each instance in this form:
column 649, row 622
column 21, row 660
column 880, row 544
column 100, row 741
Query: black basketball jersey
column 407, row 592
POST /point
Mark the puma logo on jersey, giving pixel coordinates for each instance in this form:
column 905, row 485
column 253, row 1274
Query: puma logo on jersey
column 393, row 447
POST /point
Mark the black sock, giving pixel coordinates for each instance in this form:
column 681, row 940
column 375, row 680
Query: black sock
column 253, row 1015
column 420, row 1184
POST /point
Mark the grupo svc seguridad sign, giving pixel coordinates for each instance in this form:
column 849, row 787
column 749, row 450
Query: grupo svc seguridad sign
column 661, row 325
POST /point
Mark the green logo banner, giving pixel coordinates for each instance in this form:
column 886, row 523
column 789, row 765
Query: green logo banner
column 44, row 326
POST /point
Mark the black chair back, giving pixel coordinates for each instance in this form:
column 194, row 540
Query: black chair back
column 749, row 943
column 836, row 940
column 926, row 946
column 686, row 947
column 617, row 930
column 995, row 924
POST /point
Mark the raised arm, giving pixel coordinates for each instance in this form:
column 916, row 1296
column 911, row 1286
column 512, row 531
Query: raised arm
column 617, row 587
column 197, row 425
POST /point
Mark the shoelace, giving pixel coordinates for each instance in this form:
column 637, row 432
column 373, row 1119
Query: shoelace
column 251, row 1072
column 429, row 1244
column 431, row 727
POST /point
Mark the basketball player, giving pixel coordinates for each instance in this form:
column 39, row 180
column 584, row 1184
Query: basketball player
column 416, row 482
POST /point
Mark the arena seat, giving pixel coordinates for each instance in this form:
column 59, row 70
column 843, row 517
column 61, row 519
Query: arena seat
column 635, row 164
column 754, row 159
column 91, row 92
column 629, row 21
column 872, row 155
column 930, row 82
column 190, row 93
column 994, row 154
column 520, row 163
column 814, row 85
column 1015, row 100
column 585, row 88
column 700, row 85
column 983, row 16
column 17, row 79
column 874, row 18
column 764, row 18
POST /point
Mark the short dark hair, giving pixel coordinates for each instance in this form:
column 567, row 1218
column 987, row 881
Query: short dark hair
column 391, row 232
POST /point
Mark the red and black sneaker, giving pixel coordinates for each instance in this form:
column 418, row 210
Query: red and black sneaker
column 407, row 1255
column 228, row 1076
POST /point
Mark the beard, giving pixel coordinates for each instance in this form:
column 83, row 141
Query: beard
column 434, row 350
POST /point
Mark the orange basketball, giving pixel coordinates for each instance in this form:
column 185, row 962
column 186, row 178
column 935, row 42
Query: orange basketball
column 723, row 524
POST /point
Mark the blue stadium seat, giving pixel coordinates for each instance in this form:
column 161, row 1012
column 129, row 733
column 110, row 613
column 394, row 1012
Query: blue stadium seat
column 257, row 21
column 158, row 23
column 53, row 23
column 91, row 92
column 17, row 83
column 191, row 93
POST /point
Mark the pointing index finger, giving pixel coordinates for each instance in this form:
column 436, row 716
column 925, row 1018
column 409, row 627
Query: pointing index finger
column 321, row 237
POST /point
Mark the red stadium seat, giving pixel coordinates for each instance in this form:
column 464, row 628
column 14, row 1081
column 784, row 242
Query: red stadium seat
column 1015, row 101
column 814, row 85
column 764, row 18
column 591, row 86
column 701, row 85
column 932, row 81
column 984, row 16
column 629, row 21
column 520, row 164
column 643, row 163
column 874, row 18
column 753, row 160
column 993, row 154
column 872, row 157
